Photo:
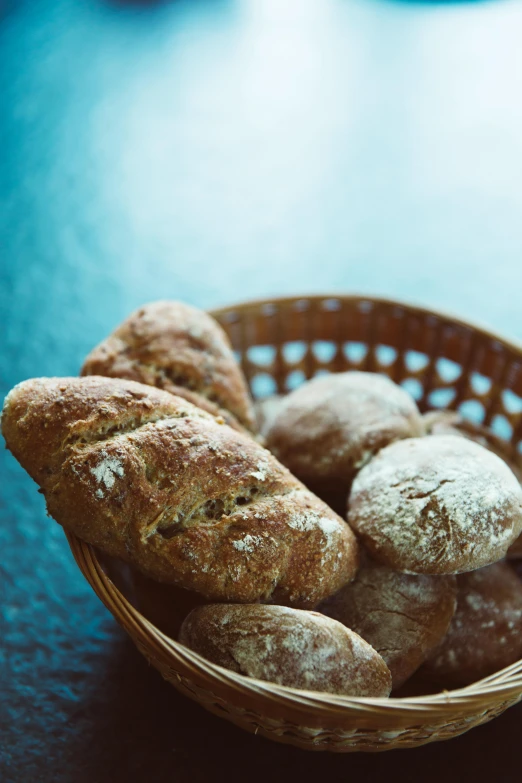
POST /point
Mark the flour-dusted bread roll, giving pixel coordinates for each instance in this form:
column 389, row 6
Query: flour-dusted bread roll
column 156, row 481
column 485, row 634
column 451, row 423
column 181, row 349
column 402, row 616
column 437, row 505
column 287, row 646
column 331, row 426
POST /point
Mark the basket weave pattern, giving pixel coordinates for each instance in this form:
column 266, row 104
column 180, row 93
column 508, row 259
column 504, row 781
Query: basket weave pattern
column 444, row 363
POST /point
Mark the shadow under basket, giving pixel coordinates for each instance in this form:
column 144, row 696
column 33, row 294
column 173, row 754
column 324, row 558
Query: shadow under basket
column 444, row 363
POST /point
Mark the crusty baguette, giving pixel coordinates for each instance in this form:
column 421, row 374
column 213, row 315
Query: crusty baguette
column 156, row 481
column 181, row 349
column 287, row 646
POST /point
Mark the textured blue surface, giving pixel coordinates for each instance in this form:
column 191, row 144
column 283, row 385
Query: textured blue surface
column 214, row 150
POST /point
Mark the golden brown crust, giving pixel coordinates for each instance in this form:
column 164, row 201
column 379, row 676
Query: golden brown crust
column 440, row 505
column 152, row 479
column 485, row 634
column 288, row 646
column 331, row 426
column 181, row 349
column 402, row 616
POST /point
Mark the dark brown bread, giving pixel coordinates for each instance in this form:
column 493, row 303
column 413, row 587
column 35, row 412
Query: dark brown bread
column 485, row 634
column 181, row 349
column 402, row 616
column 156, row 481
column 331, row 426
column 452, row 423
column 288, row 646
column 438, row 505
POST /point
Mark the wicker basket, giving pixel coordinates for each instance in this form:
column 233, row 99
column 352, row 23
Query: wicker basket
column 443, row 362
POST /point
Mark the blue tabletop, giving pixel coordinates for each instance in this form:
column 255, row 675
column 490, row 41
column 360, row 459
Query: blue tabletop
column 213, row 151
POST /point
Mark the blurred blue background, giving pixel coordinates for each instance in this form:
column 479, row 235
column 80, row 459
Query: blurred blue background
column 213, row 151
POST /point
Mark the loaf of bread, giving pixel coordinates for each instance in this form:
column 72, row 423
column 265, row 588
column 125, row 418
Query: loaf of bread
column 485, row 634
column 154, row 480
column 327, row 429
column 452, row 423
column 181, row 349
column 402, row 616
column 437, row 505
column 287, row 646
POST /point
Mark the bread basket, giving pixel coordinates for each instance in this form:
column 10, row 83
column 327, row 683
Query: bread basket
column 445, row 363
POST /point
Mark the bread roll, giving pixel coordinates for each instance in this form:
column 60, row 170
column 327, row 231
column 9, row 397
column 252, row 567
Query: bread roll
column 331, row 426
column 181, row 349
column 485, row 634
column 436, row 506
column 402, row 616
column 451, row 423
column 287, row 646
column 156, row 481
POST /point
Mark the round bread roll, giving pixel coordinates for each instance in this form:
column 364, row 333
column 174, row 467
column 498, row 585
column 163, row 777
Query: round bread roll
column 441, row 505
column 331, row 426
column 452, row 423
column 290, row 647
column 402, row 616
column 485, row 634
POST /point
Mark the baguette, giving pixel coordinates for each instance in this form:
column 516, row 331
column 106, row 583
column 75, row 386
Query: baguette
column 156, row 481
column 183, row 350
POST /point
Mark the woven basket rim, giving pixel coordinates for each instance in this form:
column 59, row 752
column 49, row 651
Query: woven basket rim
column 481, row 695
column 506, row 682
column 484, row 329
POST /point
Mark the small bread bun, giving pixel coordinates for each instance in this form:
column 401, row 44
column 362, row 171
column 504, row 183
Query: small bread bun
column 485, row 634
column 441, row 505
column 452, row 423
column 402, row 616
column 287, row 646
column 331, row 426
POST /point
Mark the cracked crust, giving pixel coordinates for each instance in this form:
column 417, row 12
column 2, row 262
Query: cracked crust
column 183, row 350
column 438, row 505
column 452, row 423
column 402, row 616
column 327, row 429
column 156, row 481
column 485, row 633
column 287, row 646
